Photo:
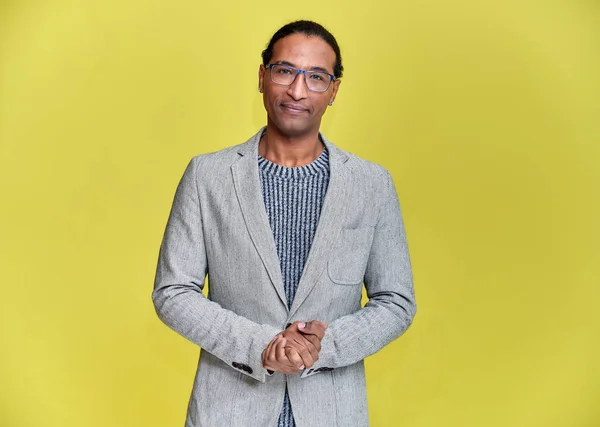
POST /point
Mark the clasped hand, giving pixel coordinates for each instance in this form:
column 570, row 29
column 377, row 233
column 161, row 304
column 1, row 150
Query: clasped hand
column 295, row 348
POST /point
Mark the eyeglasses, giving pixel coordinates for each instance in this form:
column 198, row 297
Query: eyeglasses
column 285, row 75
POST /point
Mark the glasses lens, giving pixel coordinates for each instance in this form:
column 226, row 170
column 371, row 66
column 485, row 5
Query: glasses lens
column 285, row 75
column 282, row 74
column 317, row 81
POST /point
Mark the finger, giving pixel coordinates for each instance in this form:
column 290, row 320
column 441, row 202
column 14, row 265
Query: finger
column 313, row 327
column 267, row 350
column 278, row 360
column 286, row 366
column 323, row 325
column 282, row 358
column 295, row 327
column 305, row 350
column 314, row 342
column 308, row 350
column 294, row 357
column 299, row 341
column 311, row 351
column 306, row 346
column 318, row 323
column 273, row 346
column 267, row 354
column 280, row 350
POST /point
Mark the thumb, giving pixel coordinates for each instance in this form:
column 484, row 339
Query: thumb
column 312, row 324
column 313, row 327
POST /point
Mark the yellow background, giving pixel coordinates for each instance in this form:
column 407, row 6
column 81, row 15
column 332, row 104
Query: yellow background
column 486, row 113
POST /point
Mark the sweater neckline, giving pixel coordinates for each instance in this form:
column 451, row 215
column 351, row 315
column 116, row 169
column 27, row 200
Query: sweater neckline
column 319, row 166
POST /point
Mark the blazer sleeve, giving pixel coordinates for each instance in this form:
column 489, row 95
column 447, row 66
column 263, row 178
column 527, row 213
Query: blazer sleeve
column 389, row 284
column 177, row 296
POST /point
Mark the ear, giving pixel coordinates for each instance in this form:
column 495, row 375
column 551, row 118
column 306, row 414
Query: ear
column 336, row 86
column 261, row 76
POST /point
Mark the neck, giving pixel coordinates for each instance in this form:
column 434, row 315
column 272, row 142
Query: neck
column 289, row 151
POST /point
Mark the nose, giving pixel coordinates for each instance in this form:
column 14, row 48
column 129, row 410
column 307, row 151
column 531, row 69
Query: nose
column 298, row 90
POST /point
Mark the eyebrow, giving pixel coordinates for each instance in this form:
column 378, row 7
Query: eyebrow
column 313, row 68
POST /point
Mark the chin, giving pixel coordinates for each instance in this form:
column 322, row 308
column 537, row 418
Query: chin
column 294, row 128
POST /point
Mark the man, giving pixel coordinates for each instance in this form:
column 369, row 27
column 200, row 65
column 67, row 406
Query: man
column 288, row 227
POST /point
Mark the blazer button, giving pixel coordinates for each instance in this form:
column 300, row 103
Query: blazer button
column 242, row 367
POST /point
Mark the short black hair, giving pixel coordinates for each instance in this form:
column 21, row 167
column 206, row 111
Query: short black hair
column 308, row 28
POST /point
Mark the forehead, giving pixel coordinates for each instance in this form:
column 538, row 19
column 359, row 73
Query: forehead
column 304, row 52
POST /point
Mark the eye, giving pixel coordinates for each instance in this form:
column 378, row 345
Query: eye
column 318, row 76
column 283, row 70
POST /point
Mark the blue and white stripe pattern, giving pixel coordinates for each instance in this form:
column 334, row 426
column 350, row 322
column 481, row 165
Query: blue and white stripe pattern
column 293, row 199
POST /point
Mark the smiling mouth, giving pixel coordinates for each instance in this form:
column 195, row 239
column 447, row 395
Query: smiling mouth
column 293, row 109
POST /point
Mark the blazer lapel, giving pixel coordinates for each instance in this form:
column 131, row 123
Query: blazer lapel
column 329, row 226
column 249, row 194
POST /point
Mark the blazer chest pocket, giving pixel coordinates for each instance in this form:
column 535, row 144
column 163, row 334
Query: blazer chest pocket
column 348, row 261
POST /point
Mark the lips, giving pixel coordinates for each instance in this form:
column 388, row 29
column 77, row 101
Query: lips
column 293, row 108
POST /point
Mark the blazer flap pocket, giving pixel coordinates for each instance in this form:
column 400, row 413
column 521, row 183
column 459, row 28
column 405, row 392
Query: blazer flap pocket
column 348, row 261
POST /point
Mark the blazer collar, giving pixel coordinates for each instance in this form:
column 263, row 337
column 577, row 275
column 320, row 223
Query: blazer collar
column 250, row 147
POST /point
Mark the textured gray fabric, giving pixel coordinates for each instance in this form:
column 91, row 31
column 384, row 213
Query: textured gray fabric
column 293, row 200
column 218, row 226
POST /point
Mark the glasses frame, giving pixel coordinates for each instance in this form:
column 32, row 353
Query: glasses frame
column 300, row 71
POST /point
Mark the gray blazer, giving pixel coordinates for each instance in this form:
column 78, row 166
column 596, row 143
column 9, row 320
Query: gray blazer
column 218, row 226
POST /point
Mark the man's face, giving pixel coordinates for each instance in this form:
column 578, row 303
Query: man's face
column 295, row 110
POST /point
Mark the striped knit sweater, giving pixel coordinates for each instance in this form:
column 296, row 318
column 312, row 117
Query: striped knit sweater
column 293, row 199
